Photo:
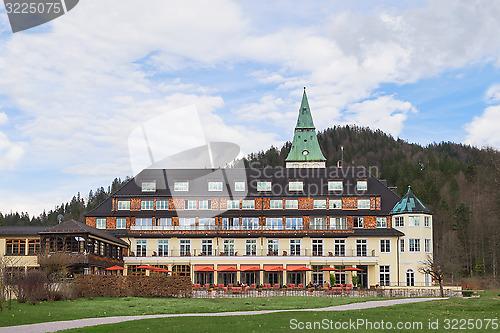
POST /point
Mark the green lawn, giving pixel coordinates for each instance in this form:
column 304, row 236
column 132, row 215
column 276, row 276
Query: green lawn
column 483, row 308
column 108, row 307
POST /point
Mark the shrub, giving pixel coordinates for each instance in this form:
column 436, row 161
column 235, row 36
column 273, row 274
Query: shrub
column 31, row 287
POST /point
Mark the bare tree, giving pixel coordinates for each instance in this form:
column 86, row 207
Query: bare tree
column 432, row 267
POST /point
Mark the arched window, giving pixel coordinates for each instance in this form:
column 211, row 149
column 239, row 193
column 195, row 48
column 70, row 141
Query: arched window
column 410, row 277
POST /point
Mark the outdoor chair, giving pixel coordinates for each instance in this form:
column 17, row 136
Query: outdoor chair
column 276, row 285
column 301, row 285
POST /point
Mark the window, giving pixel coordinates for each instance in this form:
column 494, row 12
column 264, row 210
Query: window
column 293, row 223
column 276, row 204
column 187, row 223
column 362, row 185
column 319, row 203
column 164, row 223
column 189, row 204
column 385, row 277
column 229, row 247
column 146, row 204
column 215, row 186
column 317, row 247
column 427, row 221
column 414, row 221
column 338, row 223
column 205, row 204
column 251, row 247
column 124, row 205
column 239, row 186
column 181, row 186
column 410, row 277
column 335, row 204
column 272, row 247
column 206, row 247
column 340, row 278
column 185, row 247
column 385, row 246
column 264, row 186
column 161, row 204
column 295, row 186
column 399, row 221
column 402, row 245
column 181, row 270
column 121, row 223
column 361, row 248
column 427, row 245
column 33, row 246
column 233, row 204
column 16, row 247
column 163, row 247
column 318, row 223
column 295, row 247
column 231, row 223
column 363, row 203
column 206, row 223
column 357, row 222
column 148, row 186
column 334, row 185
column 100, row 223
column 140, row 245
column 339, row 248
column 250, row 223
column 248, row 204
column 414, row 245
column 274, row 223
column 144, row 222
column 381, row 222
column 292, row 204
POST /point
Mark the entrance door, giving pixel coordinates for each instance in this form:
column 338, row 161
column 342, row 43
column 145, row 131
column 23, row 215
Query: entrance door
column 363, row 276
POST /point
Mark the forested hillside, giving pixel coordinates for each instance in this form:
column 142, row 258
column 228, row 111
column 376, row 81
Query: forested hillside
column 460, row 184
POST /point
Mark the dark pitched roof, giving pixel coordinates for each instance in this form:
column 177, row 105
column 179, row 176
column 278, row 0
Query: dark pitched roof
column 75, row 227
column 410, row 204
column 21, row 231
column 315, row 185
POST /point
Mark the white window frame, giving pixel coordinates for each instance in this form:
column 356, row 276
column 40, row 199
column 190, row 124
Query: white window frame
column 228, row 223
column 141, row 246
column 207, row 247
column 338, row 223
column 333, row 185
column 335, row 204
column 399, row 221
column 206, row 223
column 363, row 243
column 414, row 221
column 363, row 203
column 163, row 223
column 239, row 186
column 187, row 223
column 144, row 222
column 122, row 224
column 276, row 204
column 149, row 186
column 181, row 186
column 250, row 247
column 215, row 186
column 264, row 186
column 385, row 246
column 360, row 222
column 427, row 221
column 295, row 185
column 248, row 204
column 427, row 245
column 295, row 247
column 362, row 185
column 318, row 222
column 294, row 223
column 233, row 204
column 274, row 223
column 100, row 223
column 205, row 204
column 163, row 247
column 190, row 204
column 402, row 245
column 382, row 222
column 319, row 203
column 228, row 246
column 320, row 247
column 249, row 223
column 273, row 246
column 161, row 204
column 385, row 270
column 414, row 245
column 339, row 247
column 291, row 204
column 147, row 204
column 184, row 247
column 410, row 277
column 123, row 204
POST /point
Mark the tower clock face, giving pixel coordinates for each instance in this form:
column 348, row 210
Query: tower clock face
column 305, row 152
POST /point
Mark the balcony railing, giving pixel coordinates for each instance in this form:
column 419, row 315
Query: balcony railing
column 223, row 228
column 243, row 252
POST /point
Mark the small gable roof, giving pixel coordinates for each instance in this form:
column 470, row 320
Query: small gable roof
column 410, row 204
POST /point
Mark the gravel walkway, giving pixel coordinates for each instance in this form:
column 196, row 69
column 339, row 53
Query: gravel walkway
column 64, row 325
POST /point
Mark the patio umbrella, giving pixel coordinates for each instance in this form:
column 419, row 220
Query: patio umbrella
column 330, row 269
column 251, row 269
column 228, row 269
column 162, row 270
column 275, row 269
column 115, row 268
column 150, row 268
column 300, row 269
column 352, row 269
column 205, row 269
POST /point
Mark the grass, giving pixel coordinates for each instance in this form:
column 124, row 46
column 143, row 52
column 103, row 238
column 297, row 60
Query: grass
column 456, row 308
column 128, row 306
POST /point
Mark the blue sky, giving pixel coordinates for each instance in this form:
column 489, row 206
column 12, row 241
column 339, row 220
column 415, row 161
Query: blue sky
column 73, row 91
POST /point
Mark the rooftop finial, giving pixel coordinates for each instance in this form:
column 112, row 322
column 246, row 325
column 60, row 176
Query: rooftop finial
column 304, row 88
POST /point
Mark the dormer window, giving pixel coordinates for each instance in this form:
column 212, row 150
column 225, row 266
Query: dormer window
column 147, row 204
column 363, row 203
column 264, row 186
column 335, row 185
column 296, row 185
column 239, row 186
column 148, row 186
column 124, row 205
column 362, row 185
column 181, row 186
column 215, row 186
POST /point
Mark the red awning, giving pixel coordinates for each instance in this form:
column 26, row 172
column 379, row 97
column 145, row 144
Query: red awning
column 274, row 268
column 227, row 268
column 294, row 268
column 250, row 268
column 200, row 268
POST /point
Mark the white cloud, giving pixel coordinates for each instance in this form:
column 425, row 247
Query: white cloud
column 10, row 152
column 3, row 118
column 483, row 130
column 493, row 94
column 385, row 113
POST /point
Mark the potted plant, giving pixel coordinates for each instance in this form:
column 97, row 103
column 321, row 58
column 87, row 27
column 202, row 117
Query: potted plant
column 333, row 280
column 355, row 281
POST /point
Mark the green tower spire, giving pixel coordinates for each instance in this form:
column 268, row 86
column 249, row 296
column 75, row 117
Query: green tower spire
column 305, row 151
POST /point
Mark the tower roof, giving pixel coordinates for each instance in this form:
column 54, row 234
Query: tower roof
column 305, row 145
column 410, row 204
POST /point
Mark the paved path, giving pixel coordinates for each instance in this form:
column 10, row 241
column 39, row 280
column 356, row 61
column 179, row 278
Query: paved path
column 64, row 325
